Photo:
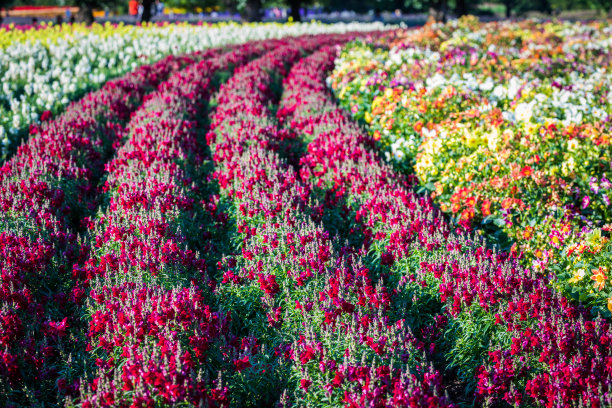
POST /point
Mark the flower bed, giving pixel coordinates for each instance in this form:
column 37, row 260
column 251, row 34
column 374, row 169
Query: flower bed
column 214, row 229
column 507, row 126
column 500, row 326
column 46, row 188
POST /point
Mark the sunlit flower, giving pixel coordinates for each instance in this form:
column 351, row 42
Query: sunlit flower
column 599, row 277
column 578, row 276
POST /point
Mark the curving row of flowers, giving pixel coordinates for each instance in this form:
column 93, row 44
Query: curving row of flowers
column 316, row 318
column 394, row 368
column 508, row 127
column 45, row 189
column 174, row 240
column 500, row 326
column 43, row 70
column 151, row 332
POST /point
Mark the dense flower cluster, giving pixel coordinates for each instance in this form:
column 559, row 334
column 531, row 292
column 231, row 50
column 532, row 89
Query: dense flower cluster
column 156, row 215
column 148, row 315
column 44, row 190
column 44, row 69
column 359, row 315
column 508, row 126
column 297, row 283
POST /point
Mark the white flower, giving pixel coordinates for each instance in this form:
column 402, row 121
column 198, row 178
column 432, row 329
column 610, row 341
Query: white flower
column 436, row 81
column 499, row 92
column 487, row 85
column 523, row 111
column 53, row 70
column 572, row 144
column 493, row 139
column 513, row 87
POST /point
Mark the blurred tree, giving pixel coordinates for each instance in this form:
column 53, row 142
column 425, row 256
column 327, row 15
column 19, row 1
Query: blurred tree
column 509, row 4
column 193, row 5
column 250, row 10
column 518, row 7
column 461, row 8
column 253, row 10
column 5, row 4
column 601, row 5
column 86, row 8
column 439, row 9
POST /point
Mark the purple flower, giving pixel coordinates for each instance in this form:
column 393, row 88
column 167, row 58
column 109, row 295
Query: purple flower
column 593, row 184
column 586, row 200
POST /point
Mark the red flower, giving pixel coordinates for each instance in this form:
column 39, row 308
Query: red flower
column 242, row 363
column 304, row 384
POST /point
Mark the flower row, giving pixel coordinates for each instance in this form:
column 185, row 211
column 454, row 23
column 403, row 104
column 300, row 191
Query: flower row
column 150, row 329
column 44, row 191
column 321, row 320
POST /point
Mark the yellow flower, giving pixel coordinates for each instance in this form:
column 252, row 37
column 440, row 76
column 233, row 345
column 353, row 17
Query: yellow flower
column 610, row 304
column 578, row 275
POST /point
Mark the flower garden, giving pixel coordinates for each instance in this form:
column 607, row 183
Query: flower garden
column 306, row 215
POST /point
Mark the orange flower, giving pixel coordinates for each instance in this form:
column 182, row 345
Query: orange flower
column 528, row 233
column 507, row 203
column 376, row 135
column 486, row 208
column 599, row 277
column 389, row 124
column 610, row 304
column 467, row 214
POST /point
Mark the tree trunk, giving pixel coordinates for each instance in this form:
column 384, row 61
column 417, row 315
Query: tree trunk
column 295, row 9
column 508, row 4
column 252, row 10
column 438, row 11
column 461, row 8
column 85, row 14
column 146, row 11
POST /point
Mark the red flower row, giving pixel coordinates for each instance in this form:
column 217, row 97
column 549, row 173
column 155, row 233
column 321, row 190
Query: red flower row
column 149, row 332
column 301, row 284
column 44, row 189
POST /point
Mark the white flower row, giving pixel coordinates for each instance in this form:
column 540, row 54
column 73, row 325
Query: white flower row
column 47, row 74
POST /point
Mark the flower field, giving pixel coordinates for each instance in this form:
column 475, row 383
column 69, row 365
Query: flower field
column 312, row 216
